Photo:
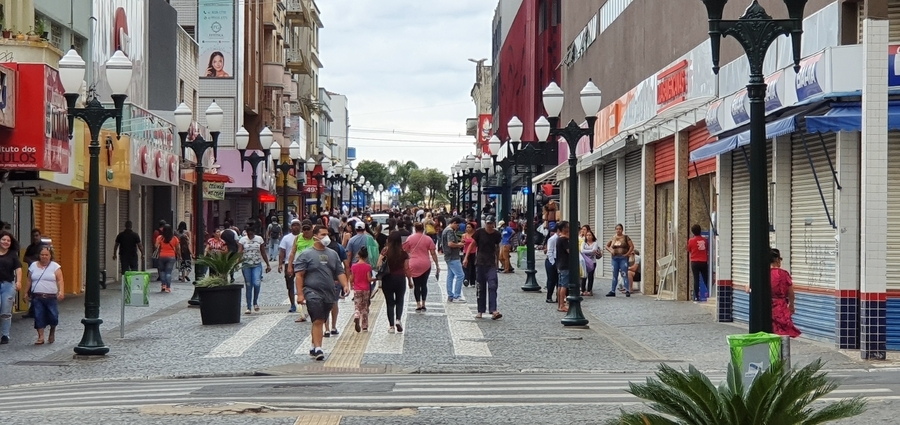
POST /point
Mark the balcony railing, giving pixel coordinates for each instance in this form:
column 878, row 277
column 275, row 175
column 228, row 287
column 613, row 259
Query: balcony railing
column 298, row 11
column 297, row 61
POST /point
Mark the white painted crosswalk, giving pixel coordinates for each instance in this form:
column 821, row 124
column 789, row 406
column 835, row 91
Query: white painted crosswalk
column 345, row 314
column 464, row 332
column 250, row 334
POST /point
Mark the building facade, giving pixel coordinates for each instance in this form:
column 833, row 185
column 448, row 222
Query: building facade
column 670, row 151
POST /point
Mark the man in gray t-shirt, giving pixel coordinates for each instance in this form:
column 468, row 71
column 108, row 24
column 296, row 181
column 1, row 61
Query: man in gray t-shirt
column 357, row 241
column 455, row 274
column 316, row 271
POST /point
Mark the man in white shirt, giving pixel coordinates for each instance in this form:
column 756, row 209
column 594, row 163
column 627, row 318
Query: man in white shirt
column 284, row 250
column 550, row 265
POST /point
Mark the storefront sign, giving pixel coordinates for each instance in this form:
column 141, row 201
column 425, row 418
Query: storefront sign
column 40, row 140
column 773, row 99
column 740, row 107
column 583, row 40
column 713, row 125
column 213, row 191
column 894, row 65
column 671, row 86
column 808, row 79
column 8, row 92
column 308, row 188
column 152, row 146
column 52, row 196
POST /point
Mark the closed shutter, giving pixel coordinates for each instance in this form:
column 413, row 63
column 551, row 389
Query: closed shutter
column 665, row 160
column 893, row 20
column 103, row 235
column 697, row 138
column 591, row 190
column 740, row 230
column 609, row 211
column 740, row 226
column 812, row 236
column 243, row 207
column 633, row 216
column 893, row 241
column 123, row 208
column 47, row 219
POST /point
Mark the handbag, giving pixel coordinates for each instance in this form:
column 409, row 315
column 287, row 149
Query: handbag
column 383, row 269
column 155, row 254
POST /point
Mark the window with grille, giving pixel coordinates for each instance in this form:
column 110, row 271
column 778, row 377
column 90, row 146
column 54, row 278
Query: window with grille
column 56, row 31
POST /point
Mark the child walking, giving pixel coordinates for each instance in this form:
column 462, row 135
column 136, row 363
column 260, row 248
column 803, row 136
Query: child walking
column 362, row 279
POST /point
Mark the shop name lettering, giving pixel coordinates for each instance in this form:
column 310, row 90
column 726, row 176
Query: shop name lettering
column 11, row 154
column 672, row 89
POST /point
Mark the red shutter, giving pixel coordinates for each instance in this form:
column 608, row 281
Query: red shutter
column 665, row 160
column 696, row 139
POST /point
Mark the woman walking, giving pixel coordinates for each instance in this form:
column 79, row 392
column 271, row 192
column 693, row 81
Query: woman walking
column 169, row 250
column 361, row 274
column 187, row 252
column 46, row 279
column 9, row 281
column 216, row 243
column 590, row 252
column 469, row 268
column 393, row 285
column 422, row 251
column 253, row 256
column 620, row 247
column 782, row 298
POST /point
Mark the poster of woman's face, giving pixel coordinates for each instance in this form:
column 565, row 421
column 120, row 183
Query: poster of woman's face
column 216, row 66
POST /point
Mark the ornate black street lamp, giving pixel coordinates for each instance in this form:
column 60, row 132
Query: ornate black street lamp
column 118, row 75
column 285, row 167
column 380, row 197
column 528, row 154
column 242, row 139
column 183, row 118
column 505, row 163
column 756, row 31
column 572, row 134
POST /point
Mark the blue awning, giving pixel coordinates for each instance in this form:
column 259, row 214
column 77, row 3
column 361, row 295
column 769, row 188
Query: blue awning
column 847, row 116
column 777, row 128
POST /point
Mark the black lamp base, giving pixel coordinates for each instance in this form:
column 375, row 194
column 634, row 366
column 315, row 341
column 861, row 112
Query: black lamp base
column 531, row 284
column 91, row 342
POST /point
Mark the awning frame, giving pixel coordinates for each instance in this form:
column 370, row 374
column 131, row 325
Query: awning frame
column 812, row 166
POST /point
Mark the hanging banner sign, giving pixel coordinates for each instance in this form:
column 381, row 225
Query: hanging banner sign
column 213, row 191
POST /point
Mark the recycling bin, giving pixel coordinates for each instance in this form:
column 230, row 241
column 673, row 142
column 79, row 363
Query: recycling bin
column 754, row 353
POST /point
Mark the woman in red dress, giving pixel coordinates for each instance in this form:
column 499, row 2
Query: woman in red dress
column 782, row 299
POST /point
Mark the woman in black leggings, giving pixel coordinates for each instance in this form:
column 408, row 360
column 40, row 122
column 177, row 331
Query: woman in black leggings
column 421, row 251
column 392, row 285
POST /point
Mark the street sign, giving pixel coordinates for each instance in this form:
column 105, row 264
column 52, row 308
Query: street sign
column 23, row 191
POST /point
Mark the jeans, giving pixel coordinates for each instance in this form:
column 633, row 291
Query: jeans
column 552, row 278
column 7, row 296
column 165, row 265
column 46, row 312
column 252, row 283
column 699, row 268
column 564, row 282
column 394, row 289
column 620, row 266
column 455, row 277
column 504, row 258
column 486, row 278
column 273, row 248
column 420, row 286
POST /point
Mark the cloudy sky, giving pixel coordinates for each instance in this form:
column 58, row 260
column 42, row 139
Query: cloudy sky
column 403, row 66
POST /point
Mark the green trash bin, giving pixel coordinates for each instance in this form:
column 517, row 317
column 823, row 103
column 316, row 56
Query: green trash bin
column 754, row 353
column 520, row 255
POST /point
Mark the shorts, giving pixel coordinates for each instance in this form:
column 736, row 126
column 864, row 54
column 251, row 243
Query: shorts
column 318, row 309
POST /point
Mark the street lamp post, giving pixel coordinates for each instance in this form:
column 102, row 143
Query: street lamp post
column 199, row 145
column 311, row 166
column 572, row 134
column 118, row 75
column 285, row 167
column 242, row 139
column 505, row 163
column 380, row 197
column 756, row 31
column 529, row 154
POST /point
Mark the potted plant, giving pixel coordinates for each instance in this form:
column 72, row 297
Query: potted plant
column 20, row 36
column 7, row 33
column 32, row 36
column 778, row 395
column 220, row 300
column 40, row 28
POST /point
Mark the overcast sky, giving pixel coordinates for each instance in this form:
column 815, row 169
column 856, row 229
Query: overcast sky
column 403, row 66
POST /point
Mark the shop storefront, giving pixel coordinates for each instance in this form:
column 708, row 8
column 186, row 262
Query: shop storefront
column 608, row 206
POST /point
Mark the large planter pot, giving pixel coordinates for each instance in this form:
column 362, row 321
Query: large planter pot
column 220, row 305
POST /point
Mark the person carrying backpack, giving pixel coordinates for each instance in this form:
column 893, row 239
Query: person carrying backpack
column 274, row 234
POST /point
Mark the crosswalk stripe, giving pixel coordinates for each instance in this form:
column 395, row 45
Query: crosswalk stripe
column 458, row 319
column 248, row 335
column 380, row 341
column 345, row 313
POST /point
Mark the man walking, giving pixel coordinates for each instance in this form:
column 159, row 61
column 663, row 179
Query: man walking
column 316, row 271
column 506, row 233
column 284, row 250
column 274, row 234
column 550, row 265
column 128, row 244
column 455, row 275
column 562, row 263
column 487, row 240
column 357, row 241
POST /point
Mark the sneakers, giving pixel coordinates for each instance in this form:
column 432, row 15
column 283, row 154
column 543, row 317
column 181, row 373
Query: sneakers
column 627, row 294
column 610, row 294
column 4, row 339
column 334, row 332
column 318, row 354
column 459, row 300
column 399, row 328
column 293, row 309
column 466, row 283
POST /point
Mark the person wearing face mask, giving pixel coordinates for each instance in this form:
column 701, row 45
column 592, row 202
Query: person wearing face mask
column 317, row 269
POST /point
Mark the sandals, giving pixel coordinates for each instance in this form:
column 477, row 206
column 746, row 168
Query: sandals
column 39, row 342
column 52, row 336
column 496, row 316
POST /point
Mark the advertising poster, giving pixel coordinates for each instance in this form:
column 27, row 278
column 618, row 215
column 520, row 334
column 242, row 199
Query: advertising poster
column 119, row 25
column 215, row 36
column 485, row 131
